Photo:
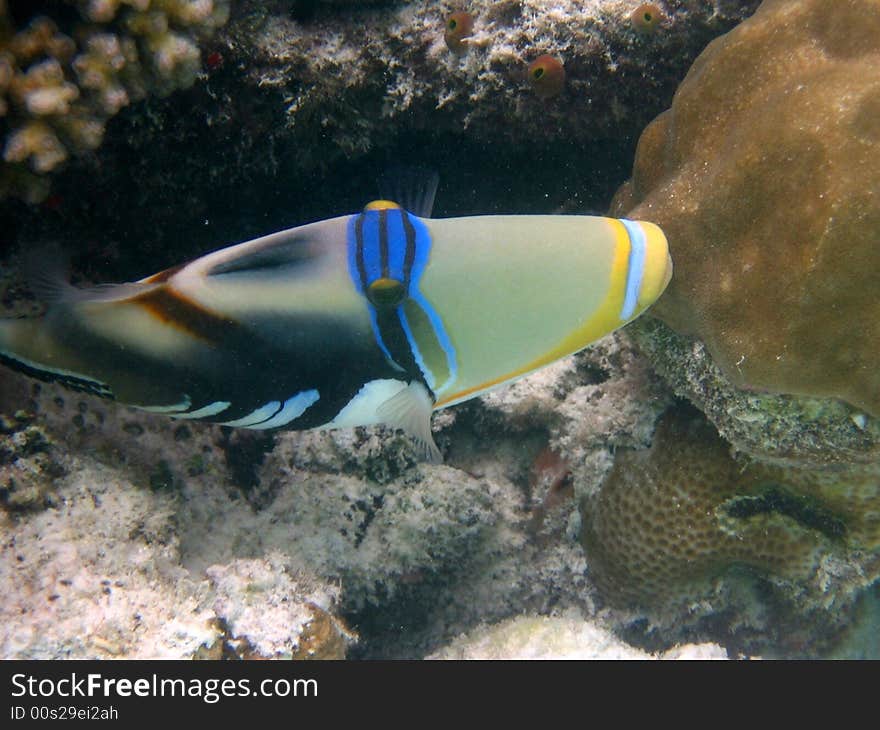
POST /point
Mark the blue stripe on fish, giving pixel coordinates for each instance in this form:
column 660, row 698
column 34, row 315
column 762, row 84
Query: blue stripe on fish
column 421, row 253
column 389, row 243
column 371, row 248
column 397, row 243
column 635, row 267
column 293, row 408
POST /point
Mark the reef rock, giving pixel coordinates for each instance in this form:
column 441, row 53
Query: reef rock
column 558, row 637
column 762, row 175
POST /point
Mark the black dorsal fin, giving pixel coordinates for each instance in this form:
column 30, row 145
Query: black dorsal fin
column 411, row 187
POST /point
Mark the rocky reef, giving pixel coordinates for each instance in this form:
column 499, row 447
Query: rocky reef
column 291, row 94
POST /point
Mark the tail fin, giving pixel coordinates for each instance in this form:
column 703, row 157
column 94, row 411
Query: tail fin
column 47, row 273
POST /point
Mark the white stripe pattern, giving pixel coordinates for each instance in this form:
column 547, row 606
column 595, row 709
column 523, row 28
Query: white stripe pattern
column 212, row 409
column 257, row 416
column 293, row 408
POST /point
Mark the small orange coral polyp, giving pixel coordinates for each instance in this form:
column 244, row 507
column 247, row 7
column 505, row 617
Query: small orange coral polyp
column 546, row 75
column 459, row 27
column 647, row 18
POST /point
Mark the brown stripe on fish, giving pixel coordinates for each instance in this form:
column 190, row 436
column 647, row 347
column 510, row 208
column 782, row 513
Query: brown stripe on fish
column 176, row 310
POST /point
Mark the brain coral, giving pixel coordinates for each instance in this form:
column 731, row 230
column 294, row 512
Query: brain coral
column 673, row 520
column 764, row 176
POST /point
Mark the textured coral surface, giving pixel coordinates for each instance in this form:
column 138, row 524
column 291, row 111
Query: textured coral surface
column 541, row 637
column 763, row 175
column 774, row 427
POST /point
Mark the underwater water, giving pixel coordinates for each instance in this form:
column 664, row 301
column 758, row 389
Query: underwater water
column 534, row 329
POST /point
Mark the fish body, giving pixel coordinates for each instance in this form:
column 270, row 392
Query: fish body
column 378, row 317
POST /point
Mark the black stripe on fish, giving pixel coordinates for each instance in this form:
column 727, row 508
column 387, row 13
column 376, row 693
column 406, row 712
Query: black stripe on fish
column 359, row 251
column 410, row 254
column 383, row 243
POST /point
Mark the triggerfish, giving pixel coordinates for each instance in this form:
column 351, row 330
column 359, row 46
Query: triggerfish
column 382, row 316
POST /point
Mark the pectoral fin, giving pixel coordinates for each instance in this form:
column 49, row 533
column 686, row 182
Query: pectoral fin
column 410, row 409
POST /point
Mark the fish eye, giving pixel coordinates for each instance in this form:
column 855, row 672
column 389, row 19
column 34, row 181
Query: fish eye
column 386, row 292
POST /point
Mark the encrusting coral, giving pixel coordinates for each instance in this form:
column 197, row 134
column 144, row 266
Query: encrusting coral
column 59, row 88
column 763, row 176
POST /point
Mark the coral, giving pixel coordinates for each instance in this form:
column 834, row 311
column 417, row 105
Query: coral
column 760, row 176
column 59, row 89
column 543, row 637
column 370, row 535
column 683, row 521
column 97, row 560
column 96, row 576
column 647, row 18
column 546, row 76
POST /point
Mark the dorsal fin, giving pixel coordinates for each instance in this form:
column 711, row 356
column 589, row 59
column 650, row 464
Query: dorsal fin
column 413, row 188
